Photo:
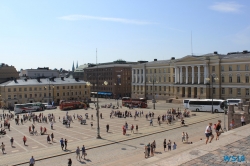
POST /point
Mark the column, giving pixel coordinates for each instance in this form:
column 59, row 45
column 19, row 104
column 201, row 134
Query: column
column 205, row 73
column 175, row 75
column 199, row 73
column 133, row 76
column 192, row 74
column 136, row 76
column 139, row 75
column 186, row 74
column 181, row 74
column 178, row 76
column 144, row 75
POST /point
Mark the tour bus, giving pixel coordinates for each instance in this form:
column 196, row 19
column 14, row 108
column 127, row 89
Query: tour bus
column 28, row 107
column 206, row 105
column 185, row 103
column 233, row 101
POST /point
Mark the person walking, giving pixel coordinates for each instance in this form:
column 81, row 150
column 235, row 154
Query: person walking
column 11, row 141
column 24, row 140
column 62, row 143
column 132, row 128
column 48, row 139
column 136, row 128
column 174, row 146
column 243, row 120
column 83, row 152
column 32, row 161
column 107, row 127
column 151, row 122
column 148, row 146
column 78, row 153
column 52, row 137
column 152, row 149
column 183, row 137
column 69, row 162
column 3, row 148
column 208, row 133
column 169, row 145
column 146, row 151
column 164, row 144
column 65, row 143
column 154, row 145
column 217, row 130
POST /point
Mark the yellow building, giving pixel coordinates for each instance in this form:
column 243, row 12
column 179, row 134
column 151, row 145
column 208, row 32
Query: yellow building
column 191, row 77
column 42, row 90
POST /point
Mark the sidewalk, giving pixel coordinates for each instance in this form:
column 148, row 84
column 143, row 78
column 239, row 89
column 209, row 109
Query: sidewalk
column 232, row 143
column 54, row 151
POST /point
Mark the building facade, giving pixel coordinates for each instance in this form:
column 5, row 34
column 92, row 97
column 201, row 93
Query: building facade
column 39, row 72
column 42, row 90
column 7, row 73
column 192, row 76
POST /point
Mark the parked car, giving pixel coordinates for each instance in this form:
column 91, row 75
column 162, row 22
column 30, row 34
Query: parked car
column 50, row 107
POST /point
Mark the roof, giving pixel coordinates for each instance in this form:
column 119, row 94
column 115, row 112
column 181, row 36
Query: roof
column 111, row 65
column 57, row 81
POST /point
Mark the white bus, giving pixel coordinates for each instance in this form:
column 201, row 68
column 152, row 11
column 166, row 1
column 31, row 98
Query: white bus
column 185, row 103
column 28, row 107
column 206, row 105
column 233, row 101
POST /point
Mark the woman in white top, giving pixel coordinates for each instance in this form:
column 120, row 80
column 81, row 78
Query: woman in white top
column 243, row 120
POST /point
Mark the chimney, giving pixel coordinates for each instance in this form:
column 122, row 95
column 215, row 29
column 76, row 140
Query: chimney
column 155, row 59
column 38, row 79
column 215, row 52
column 245, row 51
column 15, row 80
column 62, row 78
column 173, row 58
column 25, row 79
column 77, row 79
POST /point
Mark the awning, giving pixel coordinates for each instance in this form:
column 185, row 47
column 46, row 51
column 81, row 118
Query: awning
column 105, row 93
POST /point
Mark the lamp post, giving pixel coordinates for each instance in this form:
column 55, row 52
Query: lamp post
column 213, row 79
column 153, row 91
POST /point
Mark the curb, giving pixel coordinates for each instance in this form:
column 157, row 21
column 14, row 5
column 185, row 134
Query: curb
column 113, row 142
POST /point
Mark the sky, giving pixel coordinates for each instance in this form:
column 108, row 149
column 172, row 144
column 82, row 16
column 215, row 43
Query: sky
column 57, row 33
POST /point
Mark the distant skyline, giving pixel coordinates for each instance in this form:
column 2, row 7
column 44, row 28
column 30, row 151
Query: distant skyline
column 55, row 33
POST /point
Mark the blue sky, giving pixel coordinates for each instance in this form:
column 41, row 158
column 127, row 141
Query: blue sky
column 56, row 33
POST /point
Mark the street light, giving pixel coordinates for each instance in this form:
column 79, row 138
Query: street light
column 153, row 91
column 213, row 80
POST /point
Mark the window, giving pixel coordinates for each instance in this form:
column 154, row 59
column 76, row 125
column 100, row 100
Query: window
column 230, row 91
column 30, row 89
column 35, row 95
column 151, row 88
column 238, row 67
column 238, row 91
column 201, row 90
column 58, row 87
column 247, row 79
column 20, row 96
column 159, row 79
column 178, row 89
column 155, row 70
column 164, row 70
column 63, row 87
column 150, row 71
column 20, row 89
column 213, row 68
column 9, row 96
column 247, row 92
column 155, row 88
column 9, row 90
column 222, row 79
column 222, row 68
column 159, row 70
column 63, row 93
column 159, row 88
column 44, row 95
column 164, row 79
column 230, row 79
column 40, row 95
column 25, row 89
column 35, row 89
column 238, row 79
column 67, row 93
column 71, row 87
column 247, row 67
column 169, row 79
column 213, row 90
column 164, row 88
column 230, row 68
column 223, row 91
column 146, row 87
column 14, row 96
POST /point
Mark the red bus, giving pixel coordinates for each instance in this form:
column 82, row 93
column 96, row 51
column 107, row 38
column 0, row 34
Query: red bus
column 139, row 103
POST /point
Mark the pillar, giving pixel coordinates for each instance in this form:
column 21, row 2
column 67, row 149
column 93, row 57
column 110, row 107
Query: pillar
column 186, row 74
column 240, row 106
column 230, row 115
column 192, row 74
column 181, row 75
column 199, row 73
column 175, row 75
column 205, row 74
column 246, row 109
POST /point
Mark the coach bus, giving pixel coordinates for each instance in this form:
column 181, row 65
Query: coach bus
column 185, row 103
column 206, row 105
column 28, row 107
column 139, row 103
column 233, row 101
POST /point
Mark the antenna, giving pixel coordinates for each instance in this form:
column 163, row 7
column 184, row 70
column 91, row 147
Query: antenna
column 191, row 44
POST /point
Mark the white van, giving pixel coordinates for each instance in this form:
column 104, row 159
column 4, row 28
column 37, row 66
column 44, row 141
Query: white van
column 234, row 101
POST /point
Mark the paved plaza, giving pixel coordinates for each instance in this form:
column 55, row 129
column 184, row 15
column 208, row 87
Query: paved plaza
column 113, row 142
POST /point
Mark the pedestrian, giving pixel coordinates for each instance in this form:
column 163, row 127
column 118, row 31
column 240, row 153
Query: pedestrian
column 24, row 140
column 107, row 127
column 232, row 124
column 146, row 151
column 148, row 148
column 217, row 129
column 3, row 148
column 91, row 124
column 52, row 137
column 69, row 162
column 164, row 144
column 169, row 145
column 183, row 136
column 62, row 143
column 243, row 120
column 11, row 141
column 186, row 137
column 154, row 145
column 32, row 161
column 78, row 153
column 65, row 143
column 174, row 146
column 208, row 133
column 83, row 152
column 152, row 149
column 51, row 125
column 132, row 128
column 151, row 122
column 48, row 139
column 136, row 128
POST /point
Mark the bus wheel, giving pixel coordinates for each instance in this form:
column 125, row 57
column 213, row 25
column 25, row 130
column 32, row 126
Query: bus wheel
column 216, row 111
column 197, row 110
column 23, row 111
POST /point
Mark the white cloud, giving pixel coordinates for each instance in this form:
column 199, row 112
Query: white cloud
column 242, row 37
column 120, row 20
column 227, row 7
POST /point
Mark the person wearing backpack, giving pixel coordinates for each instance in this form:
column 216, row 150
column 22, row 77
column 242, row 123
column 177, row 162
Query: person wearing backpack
column 208, row 133
column 11, row 141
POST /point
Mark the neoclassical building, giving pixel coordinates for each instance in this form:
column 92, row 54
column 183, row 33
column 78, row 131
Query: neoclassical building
column 191, row 77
